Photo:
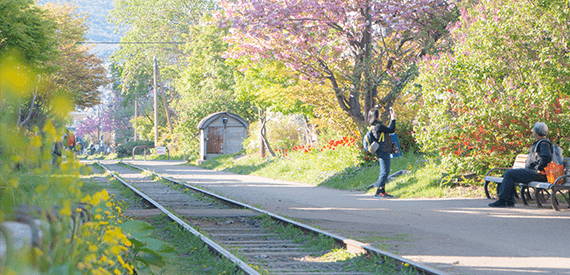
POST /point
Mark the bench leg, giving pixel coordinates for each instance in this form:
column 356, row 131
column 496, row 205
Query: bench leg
column 526, row 195
column 560, row 198
column 491, row 189
column 542, row 196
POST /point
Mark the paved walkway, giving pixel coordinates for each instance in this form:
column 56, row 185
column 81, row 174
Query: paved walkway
column 459, row 236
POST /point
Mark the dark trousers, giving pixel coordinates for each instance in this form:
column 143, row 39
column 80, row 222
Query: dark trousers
column 384, row 163
column 512, row 176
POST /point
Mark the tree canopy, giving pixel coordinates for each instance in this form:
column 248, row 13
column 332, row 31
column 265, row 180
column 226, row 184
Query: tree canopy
column 26, row 28
column 358, row 47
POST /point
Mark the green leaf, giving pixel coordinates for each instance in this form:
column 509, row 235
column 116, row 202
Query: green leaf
column 137, row 229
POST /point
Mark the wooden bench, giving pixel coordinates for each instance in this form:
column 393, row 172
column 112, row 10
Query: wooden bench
column 494, row 182
column 542, row 192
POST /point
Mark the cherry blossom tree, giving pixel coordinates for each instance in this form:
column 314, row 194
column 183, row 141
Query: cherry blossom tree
column 114, row 118
column 364, row 49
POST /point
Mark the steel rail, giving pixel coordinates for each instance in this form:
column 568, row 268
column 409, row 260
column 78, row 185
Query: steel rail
column 351, row 245
column 219, row 249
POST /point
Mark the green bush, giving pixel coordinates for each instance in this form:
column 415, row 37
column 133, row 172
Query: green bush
column 481, row 101
column 126, row 150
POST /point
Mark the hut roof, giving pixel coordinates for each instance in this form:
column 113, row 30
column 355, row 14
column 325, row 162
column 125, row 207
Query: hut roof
column 210, row 118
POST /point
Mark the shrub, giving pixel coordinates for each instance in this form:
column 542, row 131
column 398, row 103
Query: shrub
column 126, row 150
column 505, row 74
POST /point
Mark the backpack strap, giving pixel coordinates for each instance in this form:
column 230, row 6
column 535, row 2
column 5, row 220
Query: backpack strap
column 547, row 140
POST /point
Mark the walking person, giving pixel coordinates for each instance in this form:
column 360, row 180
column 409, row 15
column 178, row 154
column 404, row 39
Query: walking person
column 539, row 156
column 382, row 134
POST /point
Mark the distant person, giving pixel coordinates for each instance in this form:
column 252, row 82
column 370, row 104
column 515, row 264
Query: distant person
column 382, row 134
column 539, row 156
column 57, row 153
column 71, row 141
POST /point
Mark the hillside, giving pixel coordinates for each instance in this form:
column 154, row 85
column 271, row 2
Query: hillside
column 100, row 29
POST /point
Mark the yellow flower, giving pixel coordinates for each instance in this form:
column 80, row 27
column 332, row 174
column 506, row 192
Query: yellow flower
column 38, row 252
column 116, row 272
column 66, row 210
column 117, row 249
column 121, row 260
column 89, row 259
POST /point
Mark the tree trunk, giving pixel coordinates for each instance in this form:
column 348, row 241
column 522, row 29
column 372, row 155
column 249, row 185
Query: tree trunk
column 263, row 142
column 32, row 105
column 261, row 126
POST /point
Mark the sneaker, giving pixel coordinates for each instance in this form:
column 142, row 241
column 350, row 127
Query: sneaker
column 501, row 204
column 370, row 187
column 383, row 196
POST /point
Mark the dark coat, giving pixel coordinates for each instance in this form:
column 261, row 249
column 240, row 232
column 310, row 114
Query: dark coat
column 378, row 128
column 539, row 156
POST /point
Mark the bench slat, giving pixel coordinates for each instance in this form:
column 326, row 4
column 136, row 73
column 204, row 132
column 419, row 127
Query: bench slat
column 537, row 184
column 520, row 161
column 493, row 179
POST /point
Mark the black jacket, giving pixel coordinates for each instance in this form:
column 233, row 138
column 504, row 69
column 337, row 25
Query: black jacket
column 539, row 157
column 378, row 128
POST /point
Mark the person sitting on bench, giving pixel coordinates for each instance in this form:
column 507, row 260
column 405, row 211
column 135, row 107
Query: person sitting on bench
column 538, row 157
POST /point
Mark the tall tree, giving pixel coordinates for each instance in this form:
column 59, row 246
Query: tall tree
column 358, row 47
column 75, row 74
column 79, row 73
column 154, row 28
column 26, row 28
column 207, row 83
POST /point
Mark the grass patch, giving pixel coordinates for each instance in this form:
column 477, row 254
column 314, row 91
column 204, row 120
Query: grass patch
column 345, row 170
column 352, row 262
column 193, row 256
column 315, row 242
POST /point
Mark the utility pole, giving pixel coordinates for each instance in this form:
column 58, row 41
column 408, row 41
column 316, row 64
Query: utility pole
column 136, row 115
column 155, row 69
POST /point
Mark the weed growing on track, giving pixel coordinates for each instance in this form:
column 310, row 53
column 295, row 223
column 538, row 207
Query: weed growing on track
column 194, row 257
column 376, row 264
column 315, row 242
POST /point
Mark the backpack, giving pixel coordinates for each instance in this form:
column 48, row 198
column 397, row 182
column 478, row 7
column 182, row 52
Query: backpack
column 71, row 139
column 369, row 142
column 556, row 153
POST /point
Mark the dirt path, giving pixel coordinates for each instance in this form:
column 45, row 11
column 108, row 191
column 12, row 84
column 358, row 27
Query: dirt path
column 459, row 236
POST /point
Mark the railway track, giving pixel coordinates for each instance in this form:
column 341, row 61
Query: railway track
column 240, row 233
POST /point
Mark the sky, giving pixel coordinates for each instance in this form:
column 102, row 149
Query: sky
column 100, row 29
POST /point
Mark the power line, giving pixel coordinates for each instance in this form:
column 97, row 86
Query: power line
column 115, row 42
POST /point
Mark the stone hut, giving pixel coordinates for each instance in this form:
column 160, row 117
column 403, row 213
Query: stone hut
column 221, row 133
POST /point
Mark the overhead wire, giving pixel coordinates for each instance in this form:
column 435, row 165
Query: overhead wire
column 136, row 42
